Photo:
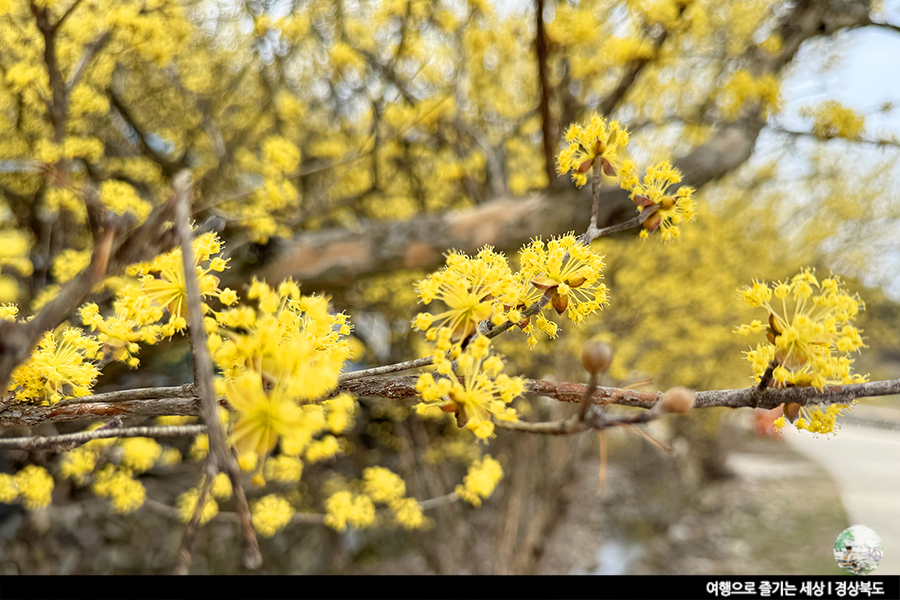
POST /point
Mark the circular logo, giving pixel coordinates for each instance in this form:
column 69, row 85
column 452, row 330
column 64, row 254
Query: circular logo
column 858, row 550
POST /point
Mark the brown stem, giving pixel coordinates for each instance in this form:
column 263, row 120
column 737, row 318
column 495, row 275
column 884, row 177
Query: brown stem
column 187, row 542
column 203, row 368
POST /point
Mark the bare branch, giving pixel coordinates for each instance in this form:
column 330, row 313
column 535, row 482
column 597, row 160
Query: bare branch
column 203, row 368
column 39, row 441
column 187, row 542
column 89, row 52
column 548, row 128
column 881, row 143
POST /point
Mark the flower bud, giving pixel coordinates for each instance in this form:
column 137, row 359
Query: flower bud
column 678, row 401
column 597, row 356
column 559, row 302
column 791, row 411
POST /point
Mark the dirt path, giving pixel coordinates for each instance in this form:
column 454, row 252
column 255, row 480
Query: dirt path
column 779, row 514
column 865, row 462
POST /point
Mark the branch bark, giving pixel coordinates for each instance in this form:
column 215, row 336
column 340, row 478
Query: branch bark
column 120, row 404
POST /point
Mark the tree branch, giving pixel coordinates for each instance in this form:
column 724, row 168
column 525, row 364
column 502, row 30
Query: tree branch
column 203, row 369
column 39, row 441
column 118, row 404
column 548, row 128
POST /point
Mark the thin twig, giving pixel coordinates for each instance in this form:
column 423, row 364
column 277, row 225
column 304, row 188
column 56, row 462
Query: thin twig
column 586, row 402
column 203, row 368
column 187, row 542
column 41, row 441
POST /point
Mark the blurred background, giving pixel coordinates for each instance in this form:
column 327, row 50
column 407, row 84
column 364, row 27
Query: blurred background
column 350, row 144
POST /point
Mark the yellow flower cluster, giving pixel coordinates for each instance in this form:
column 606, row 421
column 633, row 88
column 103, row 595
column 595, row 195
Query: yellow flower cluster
column 121, row 198
column 271, row 514
column 595, row 139
column 278, row 363
column 483, row 476
column 473, row 289
column 126, row 493
column 483, row 288
column 64, row 364
column 384, row 486
column 567, row 271
column 187, row 504
column 283, row 468
column 672, row 208
column 33, row 486
column 809, row 338
column 744, row 88
column 162, row 286
column 139, row 454
column 78, row 463
column 119, row 333
column 345, row 508
column 816, row 419
column 480, row 392
column 221, row 487
column 833, row 119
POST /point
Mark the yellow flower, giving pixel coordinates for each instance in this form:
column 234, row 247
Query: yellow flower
column 480, row 392
column 271, row 514
column 483, row 476
column 126, row 493
column 284, row 468
column 187, row 504
column 345, row 508
column 472, row 288
column 382, row 485
column 569, row 272
column 809, row 337
column 262, row 418
column 63, row 364
column 816, row 419
column 139, row 454
column 832, row 119
column 35, row 486
column 78, row 463
column 291, row 339
column 163, row 285
column 587, row 142
column 672, row 209
column 221, row 487
column 408, row 513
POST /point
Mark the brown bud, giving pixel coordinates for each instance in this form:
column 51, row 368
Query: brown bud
column 678, row 401
column 583, row 167
column 643, row 201
column 774, row 327
column 608, row 169
column 652, row 222
column 461, row 417
column 576, row 281
column 597, row 356
column 667, row 202
column 449, row 407
column 791, row 411
column 542, row 282
column 559, row 302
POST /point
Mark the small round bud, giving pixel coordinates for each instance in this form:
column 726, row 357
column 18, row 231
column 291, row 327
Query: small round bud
column 791, row 411
column 677, row 400
column 597, row 356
